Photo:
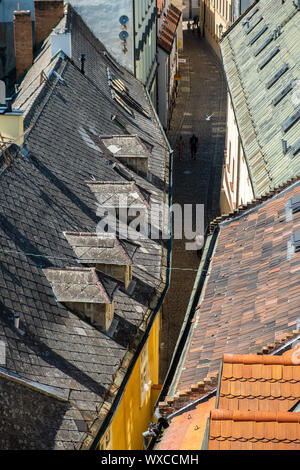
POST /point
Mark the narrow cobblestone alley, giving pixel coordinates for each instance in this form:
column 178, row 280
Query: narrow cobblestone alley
column 202, row 92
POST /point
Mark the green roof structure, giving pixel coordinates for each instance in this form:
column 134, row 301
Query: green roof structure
column 261, row 59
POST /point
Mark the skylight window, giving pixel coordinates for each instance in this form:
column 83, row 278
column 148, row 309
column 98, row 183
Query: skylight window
column 277, row 75
column 263, row 46
column 254, row 25
column 122, row 103
column 283, row 93
column 111, row 61
column 296, row 147
column 252, row 14
column 120, row 91
column 257, row 36
column 288, row 123
column 269, row 58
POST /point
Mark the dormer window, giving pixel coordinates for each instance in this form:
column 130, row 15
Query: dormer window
column 124, row 200
column 105, row 252
column 130, row 150
column 86, row 291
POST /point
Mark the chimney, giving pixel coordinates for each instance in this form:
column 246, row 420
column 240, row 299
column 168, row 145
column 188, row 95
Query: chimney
column 47, row 14
column 23, row 41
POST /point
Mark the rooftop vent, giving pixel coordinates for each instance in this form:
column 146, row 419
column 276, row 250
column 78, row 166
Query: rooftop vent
column 82, row 61
column 284, row 145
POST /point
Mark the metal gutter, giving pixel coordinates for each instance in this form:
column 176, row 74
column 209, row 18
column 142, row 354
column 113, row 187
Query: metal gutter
column 121, row 390
column 186, row 326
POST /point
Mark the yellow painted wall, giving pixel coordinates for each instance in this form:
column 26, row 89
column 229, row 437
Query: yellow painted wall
column 130, row 419
column 11, row 128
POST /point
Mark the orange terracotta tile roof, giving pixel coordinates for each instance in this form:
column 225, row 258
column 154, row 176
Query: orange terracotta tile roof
column 186, row 431
column 251, row 295
column 254, row 430
column 260, row 383
column 169, row 27
column 255, row 398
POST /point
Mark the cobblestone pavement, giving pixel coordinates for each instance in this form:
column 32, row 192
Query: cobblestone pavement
column 202, row 91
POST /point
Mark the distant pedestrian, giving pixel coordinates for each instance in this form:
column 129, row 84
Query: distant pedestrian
column 180, row 147
column 193, row 146
column 189, row 26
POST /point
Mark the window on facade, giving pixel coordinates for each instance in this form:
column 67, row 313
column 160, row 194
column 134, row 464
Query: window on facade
column 144, row 373
column 295, row 239
column 106, row 441
column 229, row 156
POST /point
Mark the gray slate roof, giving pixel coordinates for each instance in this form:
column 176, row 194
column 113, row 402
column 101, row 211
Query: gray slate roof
column 43, row 195
column 81, row 285
column 262, row 69
column 102, row 248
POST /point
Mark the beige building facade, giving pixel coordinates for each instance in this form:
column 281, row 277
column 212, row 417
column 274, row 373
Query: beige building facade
column 236, row 187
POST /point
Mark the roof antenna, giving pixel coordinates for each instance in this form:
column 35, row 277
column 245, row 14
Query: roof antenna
column 82, row 60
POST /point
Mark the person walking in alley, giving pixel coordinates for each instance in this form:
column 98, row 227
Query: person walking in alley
column 180, row 147
column 193, row 146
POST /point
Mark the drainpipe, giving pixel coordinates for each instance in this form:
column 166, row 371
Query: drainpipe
column 122, row 388
column 238, row 172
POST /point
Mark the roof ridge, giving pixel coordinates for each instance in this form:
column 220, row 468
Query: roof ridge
column 239, row 19
column 258, row 359
column 252, row 204
column 100, row 284
column 237, row 415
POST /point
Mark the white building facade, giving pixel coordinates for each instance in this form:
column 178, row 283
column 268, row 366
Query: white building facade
column 236, row 187
column 127, row 28
column 168, row 21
